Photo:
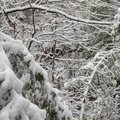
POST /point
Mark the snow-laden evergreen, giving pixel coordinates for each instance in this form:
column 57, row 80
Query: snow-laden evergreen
column 13, row 106
column 21, row 78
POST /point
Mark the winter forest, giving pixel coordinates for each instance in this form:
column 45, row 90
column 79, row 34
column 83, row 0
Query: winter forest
column 59, row 59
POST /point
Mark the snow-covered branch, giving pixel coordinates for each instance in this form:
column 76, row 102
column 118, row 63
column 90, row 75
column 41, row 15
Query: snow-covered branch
column 100, row 66
column 52, row 10
column 98, row 70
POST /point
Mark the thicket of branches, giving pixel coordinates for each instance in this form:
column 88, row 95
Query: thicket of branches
column 77, row 42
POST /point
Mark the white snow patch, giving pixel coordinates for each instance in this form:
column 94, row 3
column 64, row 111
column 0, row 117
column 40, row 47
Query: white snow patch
column 35, row 113
column 28, row 57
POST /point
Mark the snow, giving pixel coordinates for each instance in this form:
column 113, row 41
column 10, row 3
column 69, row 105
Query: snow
column 58, row 12
column 28, row 57
column 4, row 59
column 4, row 37
column 116, row 23
column 14, row 46
column 11, row 81
column 66, row 112
column 118, row 10
column 59, row 104
column 7, row 75
column 36, row 68
column 4, row 115
column 17, row 105
column 38, row 113
column 47, row 45
column 22, row 107
column 50, row 89
column 11, row 87
column 25, row 78
column 66, row 85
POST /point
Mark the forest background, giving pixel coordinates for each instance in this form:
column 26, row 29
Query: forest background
column 77, row 42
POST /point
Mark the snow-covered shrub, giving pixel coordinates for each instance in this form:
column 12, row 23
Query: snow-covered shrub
column 33, row 78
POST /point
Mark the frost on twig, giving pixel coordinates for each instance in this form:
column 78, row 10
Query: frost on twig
column 34, row 79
